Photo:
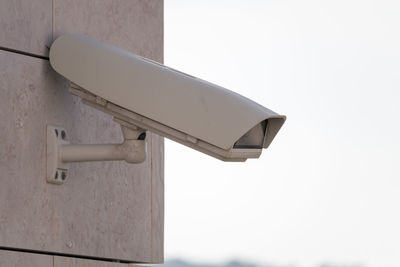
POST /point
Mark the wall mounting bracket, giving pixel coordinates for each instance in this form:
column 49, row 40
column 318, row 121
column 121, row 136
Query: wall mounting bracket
column 60, row 153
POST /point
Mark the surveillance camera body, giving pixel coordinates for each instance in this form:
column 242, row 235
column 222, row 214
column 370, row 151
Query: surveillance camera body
column 151, row 96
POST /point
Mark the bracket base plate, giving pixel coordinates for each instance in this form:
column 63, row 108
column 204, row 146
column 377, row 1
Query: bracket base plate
column 56, row 171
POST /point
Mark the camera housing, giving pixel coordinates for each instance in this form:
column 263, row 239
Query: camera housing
column 150, row 96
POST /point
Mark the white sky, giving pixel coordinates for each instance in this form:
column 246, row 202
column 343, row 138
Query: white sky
column 328, row 188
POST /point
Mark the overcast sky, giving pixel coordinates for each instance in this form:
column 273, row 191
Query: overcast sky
column 328, row 188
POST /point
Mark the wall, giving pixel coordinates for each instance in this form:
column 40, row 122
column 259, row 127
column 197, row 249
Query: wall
column 105, row 210
column 13, row 258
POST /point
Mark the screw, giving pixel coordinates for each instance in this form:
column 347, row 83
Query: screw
column 56, row 176
column 63, row 176
column 69, row 244
column 56, row 132
column 63, row 134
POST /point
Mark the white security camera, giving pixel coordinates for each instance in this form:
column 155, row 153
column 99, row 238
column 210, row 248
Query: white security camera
column 144, row 95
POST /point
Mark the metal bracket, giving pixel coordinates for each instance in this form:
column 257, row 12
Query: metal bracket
column 57, row 171
column 60, row 152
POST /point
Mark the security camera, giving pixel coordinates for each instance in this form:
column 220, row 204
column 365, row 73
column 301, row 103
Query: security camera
column 143, row 95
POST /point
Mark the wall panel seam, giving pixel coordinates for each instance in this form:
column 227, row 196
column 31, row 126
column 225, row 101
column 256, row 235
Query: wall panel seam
column 15, row 51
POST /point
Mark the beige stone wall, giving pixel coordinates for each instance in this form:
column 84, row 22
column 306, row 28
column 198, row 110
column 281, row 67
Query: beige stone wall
column 19, row 259
column 105, row 210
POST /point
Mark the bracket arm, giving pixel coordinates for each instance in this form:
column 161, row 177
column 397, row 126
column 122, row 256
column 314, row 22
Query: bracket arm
column 132, row 151
column 60, row 152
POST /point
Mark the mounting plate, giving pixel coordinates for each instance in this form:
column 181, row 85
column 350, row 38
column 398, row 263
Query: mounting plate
column 56, row 171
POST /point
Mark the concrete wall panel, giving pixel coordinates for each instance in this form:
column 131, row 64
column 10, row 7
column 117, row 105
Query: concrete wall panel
column 18, row 259
column 68, row 262
column 158, row 199
column 26, row 25
column 104, row 208
column 134, row 25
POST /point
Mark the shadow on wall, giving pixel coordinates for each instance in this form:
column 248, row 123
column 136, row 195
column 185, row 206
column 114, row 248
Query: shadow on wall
column 236, row 263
